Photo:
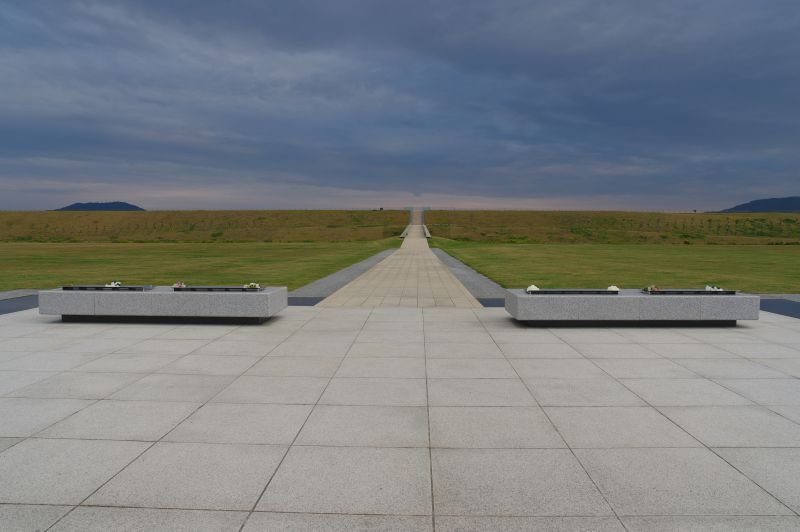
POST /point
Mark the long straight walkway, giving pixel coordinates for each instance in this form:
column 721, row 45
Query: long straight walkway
column 410, row 277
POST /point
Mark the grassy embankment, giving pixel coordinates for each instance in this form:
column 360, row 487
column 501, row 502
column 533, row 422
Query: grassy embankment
column 292, row 248
column 753, row 252
column 201, row 226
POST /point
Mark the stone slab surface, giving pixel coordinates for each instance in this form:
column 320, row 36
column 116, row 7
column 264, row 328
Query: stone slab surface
column 326, row 286
column 353, row 480
column 24, row 518
column 687, row 481
column 412, row 276
column 193, row 475
column 99, row 519
column 478, row 284
column 389, row 418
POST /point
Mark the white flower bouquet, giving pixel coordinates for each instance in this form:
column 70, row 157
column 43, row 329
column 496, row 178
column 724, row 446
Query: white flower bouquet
column 532, row 288
column 252, row 285
column 114, row 284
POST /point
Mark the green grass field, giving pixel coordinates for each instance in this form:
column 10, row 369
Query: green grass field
column 201, row 226
column 753, row 268
column 293, row 248
column 43, row 265
column 585, row 227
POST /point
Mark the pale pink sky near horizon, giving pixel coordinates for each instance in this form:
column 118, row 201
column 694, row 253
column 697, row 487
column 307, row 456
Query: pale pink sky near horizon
column 257, row 196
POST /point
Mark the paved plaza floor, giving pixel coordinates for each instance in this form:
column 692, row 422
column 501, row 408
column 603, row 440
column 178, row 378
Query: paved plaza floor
column 397, row 419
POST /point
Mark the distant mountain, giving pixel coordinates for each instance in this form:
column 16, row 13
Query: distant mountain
column 106, row 206
column 790, row 204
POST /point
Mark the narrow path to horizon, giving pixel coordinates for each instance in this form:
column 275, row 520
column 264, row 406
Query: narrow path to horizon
column 412, row 276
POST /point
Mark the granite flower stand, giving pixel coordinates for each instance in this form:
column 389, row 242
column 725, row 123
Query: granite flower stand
column 631, row 306
column 162, row 303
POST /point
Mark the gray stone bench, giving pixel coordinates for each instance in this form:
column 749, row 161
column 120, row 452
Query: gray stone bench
column 632, row 306
column 165, row 303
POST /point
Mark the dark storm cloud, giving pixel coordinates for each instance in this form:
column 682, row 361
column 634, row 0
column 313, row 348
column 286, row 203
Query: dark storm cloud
column 573, row 103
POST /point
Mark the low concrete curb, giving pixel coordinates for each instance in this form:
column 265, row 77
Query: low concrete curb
column 314, row 292
column 486, row 291
column 784, row 307
column 14, row 294
column 18, row 303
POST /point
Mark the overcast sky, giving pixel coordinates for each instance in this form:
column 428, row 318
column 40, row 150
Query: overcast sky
column 561, row 104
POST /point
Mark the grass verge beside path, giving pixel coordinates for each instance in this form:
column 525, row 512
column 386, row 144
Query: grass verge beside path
column 42, row 265
column 752, row 268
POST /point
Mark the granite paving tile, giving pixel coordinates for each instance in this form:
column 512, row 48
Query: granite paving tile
column 775, row 470
column 193, row 476
column 304, row 522
column 686, row 481
column 295, row 367
column 397, row 367
column 353, row 480
column 516, row 482
column 372, row 426
column 99, row 519
column 210, row 365
column 375, row 391
column 557, row 369
column 582, row 392
column 766, row 391
column 469, row 368
column 644, row 369
column 121, row 420
column 38, row 471
column 683, row 392
column 712, row 523
column 15, row 380
column 166, row 387
column 478, row 392
column 735, row 426
column 242, row 423
column 617, row 426
column 492, row 427
column 730, row 368
column 77, row 385
column 448, row 523
column 27, row 518
column 283, row 390
column 22, row 417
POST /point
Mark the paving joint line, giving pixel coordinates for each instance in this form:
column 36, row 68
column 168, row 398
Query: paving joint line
column 310, row 412
column 685, row 431
column 152, row 444
column 555, row 428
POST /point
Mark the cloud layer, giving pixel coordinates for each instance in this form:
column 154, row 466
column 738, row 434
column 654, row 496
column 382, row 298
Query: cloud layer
column 359, row 103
